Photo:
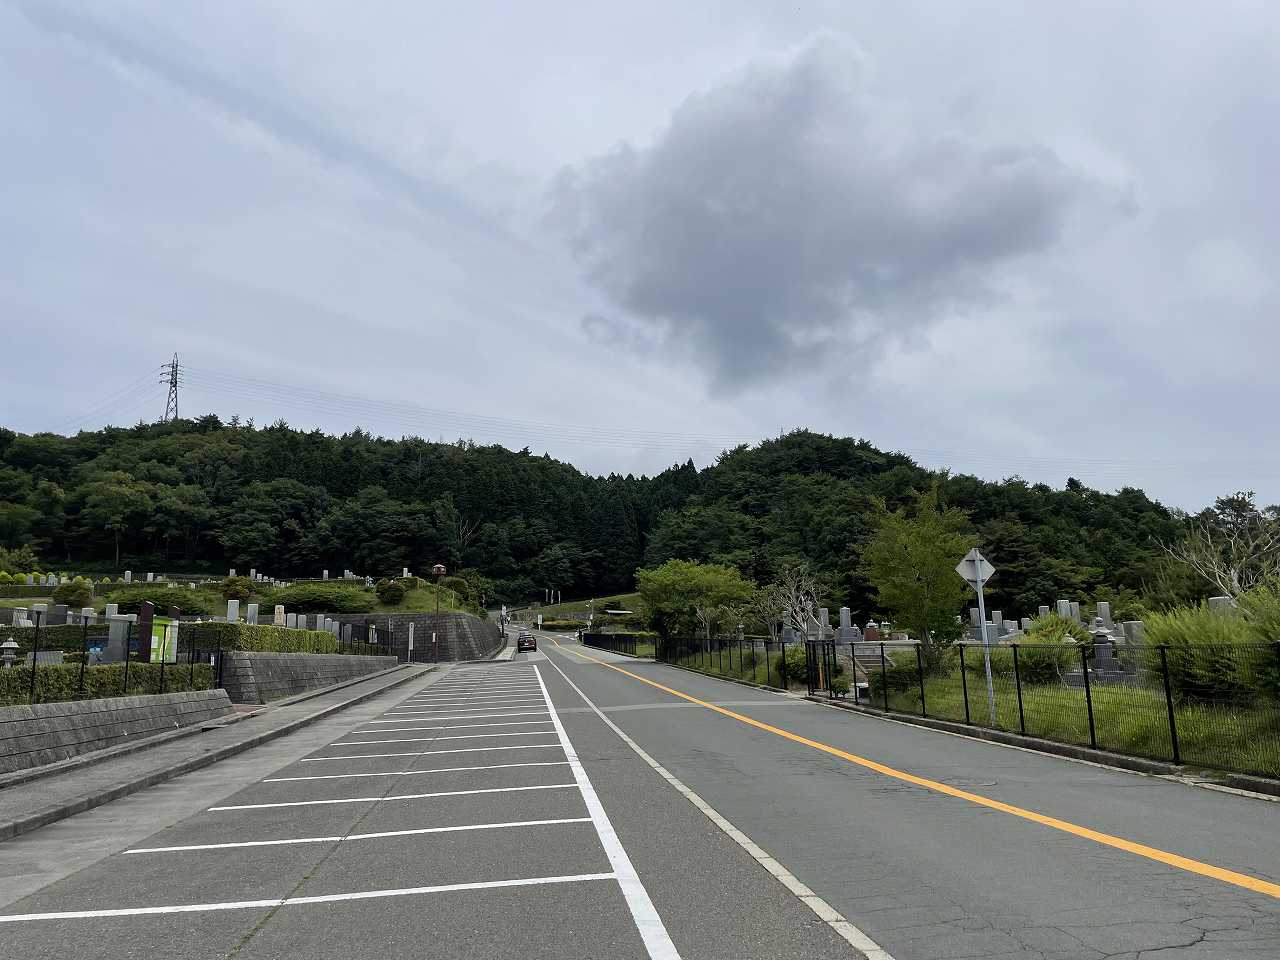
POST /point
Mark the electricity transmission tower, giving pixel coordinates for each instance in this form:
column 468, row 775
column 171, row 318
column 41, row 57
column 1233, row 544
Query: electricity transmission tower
column 171, row 374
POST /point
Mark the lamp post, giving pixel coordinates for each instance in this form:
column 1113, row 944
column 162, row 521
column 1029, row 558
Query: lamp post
column 438, row 572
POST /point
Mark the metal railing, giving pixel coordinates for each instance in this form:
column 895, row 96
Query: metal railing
column 759, row 660
column 1209, row 705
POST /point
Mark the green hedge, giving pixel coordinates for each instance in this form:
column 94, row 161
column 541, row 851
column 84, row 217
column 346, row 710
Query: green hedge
column 21, row 590
column 264, row 638
column 190, row 602
column 59, row 683
column 321, row 598
column 66, row 637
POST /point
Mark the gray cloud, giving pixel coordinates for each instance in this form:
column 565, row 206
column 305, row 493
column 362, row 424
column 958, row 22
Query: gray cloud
column 790, row 210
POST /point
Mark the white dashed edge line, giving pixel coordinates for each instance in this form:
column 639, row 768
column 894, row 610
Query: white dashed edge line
column 824, row 911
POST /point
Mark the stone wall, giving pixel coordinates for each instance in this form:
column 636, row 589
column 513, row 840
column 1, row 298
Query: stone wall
column 256, row 677
column 31, row 736
column 462, row 636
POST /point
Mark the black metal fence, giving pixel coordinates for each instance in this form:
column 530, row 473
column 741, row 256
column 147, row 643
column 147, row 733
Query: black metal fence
column 631, row 644
column 64, row 662
column 759, row 660
column 1209, row 705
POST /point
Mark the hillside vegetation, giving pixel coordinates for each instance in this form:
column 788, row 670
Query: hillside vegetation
column 202, row 495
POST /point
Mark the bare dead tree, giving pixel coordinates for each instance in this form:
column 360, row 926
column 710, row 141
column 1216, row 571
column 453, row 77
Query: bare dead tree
column 1235, row 557
column 766, row 608
column 798, row 592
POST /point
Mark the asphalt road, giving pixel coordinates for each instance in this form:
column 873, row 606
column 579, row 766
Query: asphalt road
column 573, row 803
column 480, row 813
column 939, row 846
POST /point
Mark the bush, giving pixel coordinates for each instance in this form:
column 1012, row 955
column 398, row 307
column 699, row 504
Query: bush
column 76, row 594
column 321, row 598
column 5, row 578
column 902, row 675
column 840, row 685
column 1052, row 628
column 1215, row 655
column 259, row 637
column 792, row 664
column 60, row 682
column 236, row 588
column 390, row 592
column 190, row 602
column 65, row 637
column 548, row 624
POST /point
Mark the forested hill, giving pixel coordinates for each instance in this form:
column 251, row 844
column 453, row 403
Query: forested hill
column 202, row 495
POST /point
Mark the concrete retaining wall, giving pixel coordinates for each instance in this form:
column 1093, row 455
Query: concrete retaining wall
column 254, row 677
column 31, row 736
column 462, row 636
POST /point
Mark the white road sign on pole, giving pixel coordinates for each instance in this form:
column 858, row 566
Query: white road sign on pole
column 977, row 570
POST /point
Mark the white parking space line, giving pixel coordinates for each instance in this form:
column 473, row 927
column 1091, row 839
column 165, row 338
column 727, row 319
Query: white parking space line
column 427, row 753
column 298, row 901
column 461, row 726
column 486, row 700
column 460, row 736
column 417, row 773
column 524, row 704
column 471, row 716
column 382, row 835
column 652, row 930
column 402, row 796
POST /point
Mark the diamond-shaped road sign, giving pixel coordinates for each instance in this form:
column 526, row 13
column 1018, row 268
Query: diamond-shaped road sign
column 975, row 568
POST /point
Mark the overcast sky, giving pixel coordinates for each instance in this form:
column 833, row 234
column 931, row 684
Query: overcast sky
column 1034, row 239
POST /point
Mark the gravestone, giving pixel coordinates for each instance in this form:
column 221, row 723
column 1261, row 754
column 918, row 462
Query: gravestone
column 278, row 619
column 87, row 615
column 326, row 575
column 319, row 622
column 19, row 615
column 151, row 578
column 232, row 573
column 117, row 634
column 40, row 613
column 1221, row 603
column 31, row 581
column 1026, row 624
column 113, row 609
column 1104, row 613
column 233, row 611
column 405, row 573
column 1133, row 631
column 1064, row 609
column 191, row 586
column 251, row 614
column 128, row 576
column 1075, row 610
column 59, row 615
column 253, row 574
column 291, row 621
column 368, row 582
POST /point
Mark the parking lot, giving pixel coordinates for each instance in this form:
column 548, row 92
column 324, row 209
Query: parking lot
column 461, row 821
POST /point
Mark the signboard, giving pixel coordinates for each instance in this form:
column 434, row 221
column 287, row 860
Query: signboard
column 164, row 640
column 975, row 568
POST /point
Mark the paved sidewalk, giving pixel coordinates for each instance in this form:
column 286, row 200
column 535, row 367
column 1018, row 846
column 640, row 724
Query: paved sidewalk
column 35, row 803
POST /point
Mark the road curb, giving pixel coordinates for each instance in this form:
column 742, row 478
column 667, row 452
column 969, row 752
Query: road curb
column 13, row 828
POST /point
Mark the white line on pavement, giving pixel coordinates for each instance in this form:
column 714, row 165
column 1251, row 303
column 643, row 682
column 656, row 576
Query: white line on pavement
column 444, row 711
column 852, row 934
column 459, row 726
column 299, row 901
column 415, row 773
column 402, row 796
column 461, row 736
column 427, row 753
column 470, row 716
column 485, row 701
column 652, row 930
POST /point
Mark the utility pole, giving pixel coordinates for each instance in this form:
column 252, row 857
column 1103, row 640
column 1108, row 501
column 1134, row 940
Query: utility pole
column 171, row 374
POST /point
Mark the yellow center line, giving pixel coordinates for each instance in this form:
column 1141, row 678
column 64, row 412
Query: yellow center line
column 1255, row 884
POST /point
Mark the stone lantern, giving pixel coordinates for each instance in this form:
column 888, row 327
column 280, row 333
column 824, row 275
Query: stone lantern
column 10, row 652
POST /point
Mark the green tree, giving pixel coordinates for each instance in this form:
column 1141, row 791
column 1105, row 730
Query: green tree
column 674, row 592
column 115, row 503
column 911, row 561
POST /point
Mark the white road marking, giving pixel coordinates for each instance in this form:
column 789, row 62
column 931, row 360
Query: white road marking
column 448, row 711
column 402, row 796
column 461, row 736
column 485, row 701
column 850, row 933
column 415, row 773
column 652, row 930
column 472, row 716
column 460, row 726
column 427, row 753
column 298, row 901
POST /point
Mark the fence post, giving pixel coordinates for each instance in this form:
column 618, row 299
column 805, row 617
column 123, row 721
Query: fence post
column 1017, row 683
column 84, row 659
column 128, row 642
column 163, row 657
column 1088, row 695
column 219, row 656
column 884, row 678
column 964, row 685
column 1168, row 701
column 191, row 658
column 35, row 650
column 920, row 678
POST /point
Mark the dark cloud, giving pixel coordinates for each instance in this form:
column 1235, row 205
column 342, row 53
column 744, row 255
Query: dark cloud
column 790, row 210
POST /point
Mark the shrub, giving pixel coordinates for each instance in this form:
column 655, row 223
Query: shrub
column 236, row 588
column 190, row 602
column 390, row 592
column 260, row 637
column 105, row 580
column 65, row 637
column 5, row 578
column 322, row 598
column 76, row 594
column 900, row 677
column 840, row 685
column 59, row 682
column 1052, row 628
column 792, row 664
column 1213, row 655
column 548, row 624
